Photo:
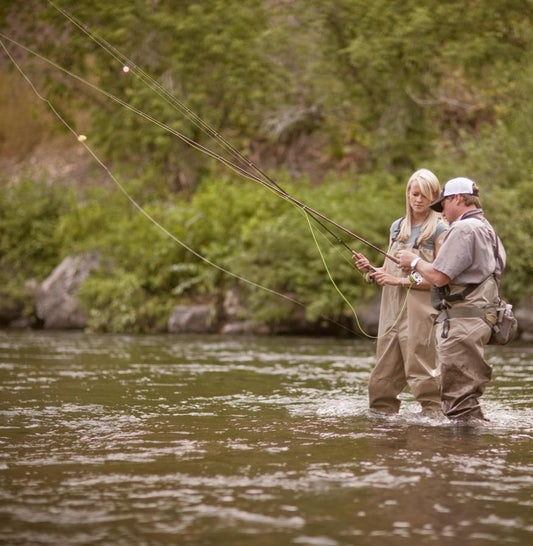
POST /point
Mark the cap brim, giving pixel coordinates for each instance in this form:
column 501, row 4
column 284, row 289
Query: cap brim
column 437, row 204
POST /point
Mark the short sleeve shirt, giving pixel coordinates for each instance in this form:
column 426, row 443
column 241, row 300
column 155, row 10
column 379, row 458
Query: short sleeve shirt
column 467, row 254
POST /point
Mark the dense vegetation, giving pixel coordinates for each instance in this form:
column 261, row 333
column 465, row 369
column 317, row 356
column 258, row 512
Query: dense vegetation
column 338, row 100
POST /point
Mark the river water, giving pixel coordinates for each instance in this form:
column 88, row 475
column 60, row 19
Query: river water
column 248, row 441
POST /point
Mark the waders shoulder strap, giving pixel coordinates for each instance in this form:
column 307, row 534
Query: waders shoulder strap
column 462, row 295
column 397, row 229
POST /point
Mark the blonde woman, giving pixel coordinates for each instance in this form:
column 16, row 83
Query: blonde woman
column 406, row 355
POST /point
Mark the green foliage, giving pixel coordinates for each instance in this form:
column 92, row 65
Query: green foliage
column 283, row 249
column 500, row 161
column 228, row 232
column 416, row 74
column 29, row 212
column 29, row 247
column 507, row 209
column 118, row 303
column 145, row 270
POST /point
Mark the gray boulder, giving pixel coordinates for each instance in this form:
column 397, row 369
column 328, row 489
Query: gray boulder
column 56, row 302
column 192, row 319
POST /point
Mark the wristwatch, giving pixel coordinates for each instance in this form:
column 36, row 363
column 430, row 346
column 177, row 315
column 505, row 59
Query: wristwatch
column 414, row 262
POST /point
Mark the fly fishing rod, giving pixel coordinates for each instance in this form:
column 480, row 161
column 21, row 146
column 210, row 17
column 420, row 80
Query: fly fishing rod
column 263, row 178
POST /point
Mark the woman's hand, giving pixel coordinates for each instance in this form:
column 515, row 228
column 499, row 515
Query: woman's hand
column 384, row 279
column 361, row 262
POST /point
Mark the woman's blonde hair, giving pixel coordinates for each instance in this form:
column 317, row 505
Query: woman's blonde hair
column 430, row 188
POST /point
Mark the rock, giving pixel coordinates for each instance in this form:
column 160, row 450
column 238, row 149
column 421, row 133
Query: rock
column 192, row 319
column 56, row 302
column 235, row 314
column 233, row 308
column 245, row 327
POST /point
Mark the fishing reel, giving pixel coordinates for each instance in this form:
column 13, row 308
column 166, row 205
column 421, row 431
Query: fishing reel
column 415, row 277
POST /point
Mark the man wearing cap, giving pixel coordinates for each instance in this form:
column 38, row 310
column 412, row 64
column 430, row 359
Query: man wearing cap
column 465, row 277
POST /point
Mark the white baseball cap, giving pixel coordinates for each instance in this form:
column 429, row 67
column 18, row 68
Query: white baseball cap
column 453, row 187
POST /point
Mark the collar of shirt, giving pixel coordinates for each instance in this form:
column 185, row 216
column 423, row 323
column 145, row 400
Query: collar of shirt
column 470, row 213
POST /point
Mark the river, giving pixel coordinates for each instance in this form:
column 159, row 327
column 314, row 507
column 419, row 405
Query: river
column 148, row 440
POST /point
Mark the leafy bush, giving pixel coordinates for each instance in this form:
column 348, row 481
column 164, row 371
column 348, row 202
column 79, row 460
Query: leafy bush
column 29, row 214
column 117, row 302
column 29, row 247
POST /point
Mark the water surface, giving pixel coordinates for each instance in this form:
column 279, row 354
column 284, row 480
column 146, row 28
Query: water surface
column 248, row 441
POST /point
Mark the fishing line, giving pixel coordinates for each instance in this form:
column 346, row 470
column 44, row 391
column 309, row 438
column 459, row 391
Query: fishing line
column 236, row 168
column 366, row 334
column 163, row 93
column 207, row 129
column 148, row 216
column 199, row 122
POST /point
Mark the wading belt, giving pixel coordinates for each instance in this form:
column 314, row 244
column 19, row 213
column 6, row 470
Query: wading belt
column 463, row 312
column 441, row 298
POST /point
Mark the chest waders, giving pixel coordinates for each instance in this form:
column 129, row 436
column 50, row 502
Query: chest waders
column 463, row 329
column 464, row 325
column 405, row 356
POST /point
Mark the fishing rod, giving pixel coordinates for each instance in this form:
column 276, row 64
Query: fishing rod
column 266, row 181
column 210, row 131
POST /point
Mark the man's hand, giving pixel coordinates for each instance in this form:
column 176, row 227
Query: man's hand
column 425, row 269
column 406, row 257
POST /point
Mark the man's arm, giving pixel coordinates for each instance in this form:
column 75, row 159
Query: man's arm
column 424, row 268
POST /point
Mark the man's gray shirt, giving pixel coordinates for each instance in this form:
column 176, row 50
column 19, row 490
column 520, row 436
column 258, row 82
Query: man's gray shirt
column 467, row 252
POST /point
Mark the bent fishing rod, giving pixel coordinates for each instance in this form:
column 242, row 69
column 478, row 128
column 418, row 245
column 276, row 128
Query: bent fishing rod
column 263, row 179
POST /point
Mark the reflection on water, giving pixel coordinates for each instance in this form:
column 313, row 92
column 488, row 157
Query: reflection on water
column 207, row 440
